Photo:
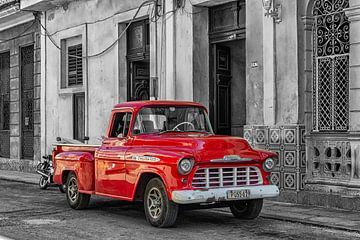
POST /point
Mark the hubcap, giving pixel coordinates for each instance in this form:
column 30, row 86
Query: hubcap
column 72, row 189
column 155, row 203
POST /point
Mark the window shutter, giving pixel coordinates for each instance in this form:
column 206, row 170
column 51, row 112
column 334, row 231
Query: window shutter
column 75, row 66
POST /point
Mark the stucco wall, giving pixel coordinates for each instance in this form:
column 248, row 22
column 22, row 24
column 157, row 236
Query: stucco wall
column 201, row 56
column 287, row 110
column 101, row 74
column 254, row 77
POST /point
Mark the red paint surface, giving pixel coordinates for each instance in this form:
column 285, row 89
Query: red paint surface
column 110, row 170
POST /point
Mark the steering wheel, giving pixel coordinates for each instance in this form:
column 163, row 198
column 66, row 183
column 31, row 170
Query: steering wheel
column 182, row 123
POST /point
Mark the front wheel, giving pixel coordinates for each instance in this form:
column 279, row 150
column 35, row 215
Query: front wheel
column 43, row 183
column 248, row 209
column 159, row 210
column 75, row 199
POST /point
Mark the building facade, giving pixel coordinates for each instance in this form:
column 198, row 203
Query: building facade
column 287, row 82
column 19, row 88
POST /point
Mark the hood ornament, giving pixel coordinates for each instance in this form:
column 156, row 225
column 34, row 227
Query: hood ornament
column 231, row 158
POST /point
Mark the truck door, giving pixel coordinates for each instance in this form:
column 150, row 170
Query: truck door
column 110, row 158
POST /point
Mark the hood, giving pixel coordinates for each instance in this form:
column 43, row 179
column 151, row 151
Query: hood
column 205, row 147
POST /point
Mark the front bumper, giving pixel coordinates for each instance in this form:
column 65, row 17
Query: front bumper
column 220, row 194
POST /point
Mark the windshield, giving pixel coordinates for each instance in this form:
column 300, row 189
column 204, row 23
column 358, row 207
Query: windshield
column 170, row 118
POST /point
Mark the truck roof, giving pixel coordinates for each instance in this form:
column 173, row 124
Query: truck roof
column 140, row 104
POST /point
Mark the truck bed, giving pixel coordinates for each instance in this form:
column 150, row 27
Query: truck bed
column 75, row 147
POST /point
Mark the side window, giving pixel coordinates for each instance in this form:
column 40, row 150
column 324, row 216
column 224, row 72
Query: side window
column 120, row 127
column 71, row 62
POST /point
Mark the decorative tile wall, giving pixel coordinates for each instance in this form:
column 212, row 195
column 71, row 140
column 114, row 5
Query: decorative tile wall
column 289, row 143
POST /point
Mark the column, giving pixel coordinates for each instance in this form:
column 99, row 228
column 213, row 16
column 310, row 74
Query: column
column 269, row 70
column 353, row 14
column 170, row 57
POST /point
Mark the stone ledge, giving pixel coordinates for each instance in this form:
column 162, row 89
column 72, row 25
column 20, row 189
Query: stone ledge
column 328, row 200
column 20, row 165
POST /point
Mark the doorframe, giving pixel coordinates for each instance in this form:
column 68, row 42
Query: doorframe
column 20, row 47
column 223, row 34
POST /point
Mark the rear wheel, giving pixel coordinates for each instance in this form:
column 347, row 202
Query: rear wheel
column 75, row 199
column 248, row 209
column 159, row 210
column 43, row 183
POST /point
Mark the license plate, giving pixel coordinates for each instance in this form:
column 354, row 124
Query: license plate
column 238, row 194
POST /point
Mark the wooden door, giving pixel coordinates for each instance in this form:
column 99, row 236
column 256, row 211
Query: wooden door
column 27, row 100
column 139, row 81
column 79, row 116
column 5, row 104
column 222, row 98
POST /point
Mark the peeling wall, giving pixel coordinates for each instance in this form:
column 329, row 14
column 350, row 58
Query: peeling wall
column 101, row 74
column 254, row 76
column 287, row 65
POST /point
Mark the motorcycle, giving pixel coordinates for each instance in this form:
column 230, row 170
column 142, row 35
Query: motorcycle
column 46, row 171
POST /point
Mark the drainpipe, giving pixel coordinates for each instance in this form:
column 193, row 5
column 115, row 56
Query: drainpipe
column 87, row 82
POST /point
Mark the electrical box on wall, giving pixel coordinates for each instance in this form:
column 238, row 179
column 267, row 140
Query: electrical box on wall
column 254, row 64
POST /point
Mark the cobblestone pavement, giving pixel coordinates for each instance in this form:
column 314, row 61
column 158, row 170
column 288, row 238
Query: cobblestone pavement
column 27, row 212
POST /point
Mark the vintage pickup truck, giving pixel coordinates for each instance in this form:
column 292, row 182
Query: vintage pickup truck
column 165, row 154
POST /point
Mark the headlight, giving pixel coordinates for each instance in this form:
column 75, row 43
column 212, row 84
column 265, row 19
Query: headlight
column 269, row 164
column 185, row 166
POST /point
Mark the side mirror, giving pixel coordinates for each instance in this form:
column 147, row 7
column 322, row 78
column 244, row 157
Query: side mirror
column 86, row 138
column 136, row 131
column 58, row 139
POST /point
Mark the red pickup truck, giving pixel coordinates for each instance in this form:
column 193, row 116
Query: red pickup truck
column 165, row 154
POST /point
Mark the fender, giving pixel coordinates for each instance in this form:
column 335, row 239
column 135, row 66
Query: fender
column 157, row 172
column 81, row 163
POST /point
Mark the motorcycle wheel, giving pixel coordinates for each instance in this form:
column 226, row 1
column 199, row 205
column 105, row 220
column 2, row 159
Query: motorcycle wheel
column 43, row 183
column 62, row 188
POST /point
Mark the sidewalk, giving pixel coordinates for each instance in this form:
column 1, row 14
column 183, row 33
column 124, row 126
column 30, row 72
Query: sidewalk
column 311, row 215
column 23, row 177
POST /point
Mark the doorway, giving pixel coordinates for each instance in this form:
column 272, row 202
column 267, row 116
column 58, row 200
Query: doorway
column 228, row 87
column 138, row 61
column 27, row 100
column 227, row 93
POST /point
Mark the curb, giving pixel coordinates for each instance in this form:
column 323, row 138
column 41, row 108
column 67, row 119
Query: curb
column 9, row 179
column 302, row 221
column 309, row 222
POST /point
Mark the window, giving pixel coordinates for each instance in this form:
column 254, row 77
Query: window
column 79, row 116
column 331, row 66
column 170, row 118
column 72, row 62
column 75, row 67
column 5, row 91
column 120, row 127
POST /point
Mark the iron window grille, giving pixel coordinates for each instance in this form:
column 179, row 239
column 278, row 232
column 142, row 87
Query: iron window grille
column 75, row 66
column 331, row 47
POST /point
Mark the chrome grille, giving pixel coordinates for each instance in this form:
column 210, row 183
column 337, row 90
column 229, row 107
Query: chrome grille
column 226, row 177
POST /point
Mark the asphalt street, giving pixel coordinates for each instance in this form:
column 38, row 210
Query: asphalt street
column 26, row 212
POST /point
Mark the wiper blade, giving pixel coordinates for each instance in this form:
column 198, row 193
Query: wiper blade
column 197, row 131
column 167, row 131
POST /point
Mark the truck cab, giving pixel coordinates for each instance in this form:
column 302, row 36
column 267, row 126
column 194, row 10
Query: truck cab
column 166, row 155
